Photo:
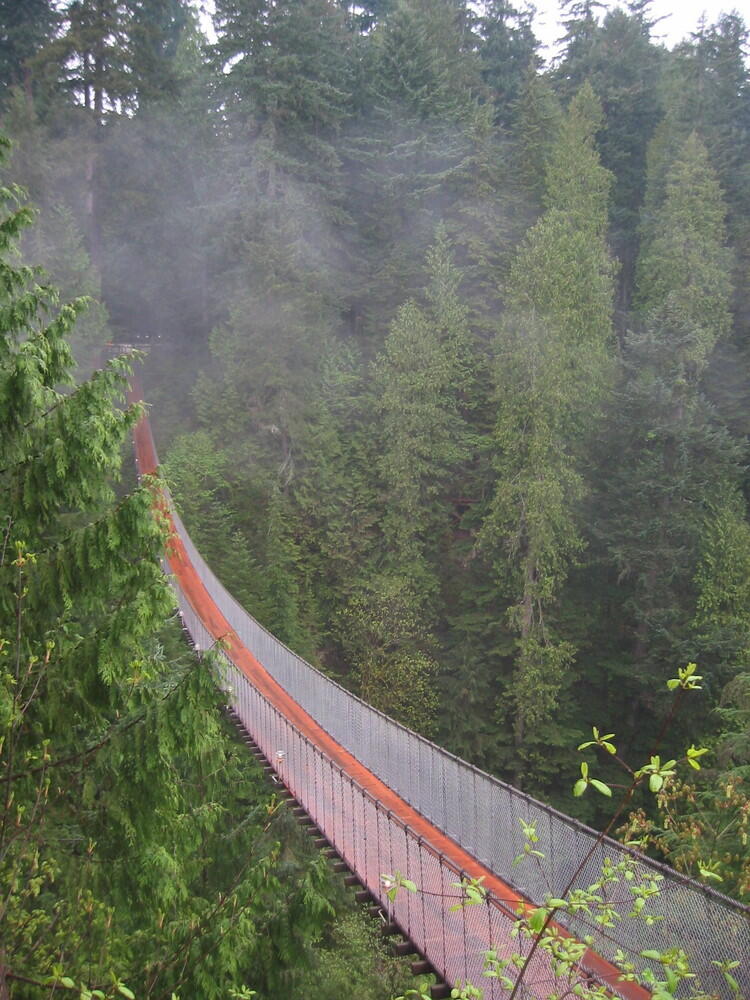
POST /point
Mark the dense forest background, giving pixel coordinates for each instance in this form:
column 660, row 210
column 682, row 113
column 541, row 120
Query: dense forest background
column 448, row 348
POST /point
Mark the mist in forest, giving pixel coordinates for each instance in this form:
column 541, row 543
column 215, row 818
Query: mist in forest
column 425, row 327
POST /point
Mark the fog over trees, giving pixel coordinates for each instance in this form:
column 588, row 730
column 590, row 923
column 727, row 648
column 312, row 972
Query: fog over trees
column 448, row 364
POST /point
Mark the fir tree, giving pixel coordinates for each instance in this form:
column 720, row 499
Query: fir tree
column 508, row 53
column 581, row 29
column 92, row 55
column 425, row 380
column 26, row 28
column 155, row 34
column 127, row 852
column 81, row 592
column 335, row 492
column 410, row 155
column 284, row 82
column 624, row 70
column 676, row 457
column 552, row 370
column 539, row 120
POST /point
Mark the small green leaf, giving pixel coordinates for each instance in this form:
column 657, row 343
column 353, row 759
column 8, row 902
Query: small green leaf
column 732, row 982
column 580, row 787
column 655, row 782
column 693, row 754
column 125, row 992
column 601, row 787
column 537, row 918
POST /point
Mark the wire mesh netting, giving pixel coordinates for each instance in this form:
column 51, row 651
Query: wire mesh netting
column 479, row 812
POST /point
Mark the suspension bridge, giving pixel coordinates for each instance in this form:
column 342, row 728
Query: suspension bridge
column 395, row 807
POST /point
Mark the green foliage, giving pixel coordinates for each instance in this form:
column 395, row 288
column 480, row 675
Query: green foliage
column 684, row 269
column 26, row 28
column 425, row 383
column 621, row 881
column 674, row 494
column 134, row 836
column 334, row 490
column 508, row 53
column 552, row 366
column 487, row 545
column 353, row 958
column 283, row 72
column 538, row 125
column 219, row 512
column 384, row 636
column 701, row 825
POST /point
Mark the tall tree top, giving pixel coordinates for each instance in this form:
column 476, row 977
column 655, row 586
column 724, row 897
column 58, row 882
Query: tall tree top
column 577, row 183
column 509, row 50
column 581, row 27
column 427, row 66
column 25, row 26
column 683, row 272
column 283, row 63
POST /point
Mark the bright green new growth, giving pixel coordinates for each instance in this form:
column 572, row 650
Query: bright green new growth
column 600, row 904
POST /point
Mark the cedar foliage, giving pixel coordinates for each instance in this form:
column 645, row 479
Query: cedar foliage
column 127, row 851
column 500, row 509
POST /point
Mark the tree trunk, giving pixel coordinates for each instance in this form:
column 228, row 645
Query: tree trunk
column 527, row 621
column 92, row 207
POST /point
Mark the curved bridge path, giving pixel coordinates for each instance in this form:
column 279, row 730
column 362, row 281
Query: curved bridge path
column 392, row 803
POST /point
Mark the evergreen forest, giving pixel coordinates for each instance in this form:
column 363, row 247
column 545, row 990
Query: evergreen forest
column 446, row 349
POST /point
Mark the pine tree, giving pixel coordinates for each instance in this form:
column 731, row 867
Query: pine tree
column 284, row 82
column 677, row 475
column 508, row 53
column 26, row 28
column 92, row 55
column 279, row 220
column 424, row 382
column 581, row 29
column 410, row 154
column 335, row 492
column 684, row 270
column 624, row 70
column 707, row 90
column 160, row 172
column 553, row 369
column 155, row 33
column 81, row 589
column 539, row 120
